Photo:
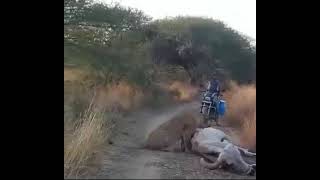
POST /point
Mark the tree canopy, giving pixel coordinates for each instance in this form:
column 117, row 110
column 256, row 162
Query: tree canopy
column 125, row 42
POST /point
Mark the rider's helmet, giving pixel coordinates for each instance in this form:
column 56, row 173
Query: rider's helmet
column 214, row 85
column 215, row 81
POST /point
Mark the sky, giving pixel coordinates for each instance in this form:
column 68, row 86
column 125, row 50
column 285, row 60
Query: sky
column 238, row 14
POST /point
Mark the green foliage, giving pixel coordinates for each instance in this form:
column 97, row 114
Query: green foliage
column 204, row 47
column 123, row 44
column 99, row 23
column 106, row 38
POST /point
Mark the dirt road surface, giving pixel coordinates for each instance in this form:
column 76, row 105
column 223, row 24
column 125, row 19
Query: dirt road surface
column 126, row 158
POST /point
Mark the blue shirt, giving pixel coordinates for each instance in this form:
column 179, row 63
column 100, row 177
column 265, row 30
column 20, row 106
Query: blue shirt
column 214, row 86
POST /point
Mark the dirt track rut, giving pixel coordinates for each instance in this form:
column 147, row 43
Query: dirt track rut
column 126, row 158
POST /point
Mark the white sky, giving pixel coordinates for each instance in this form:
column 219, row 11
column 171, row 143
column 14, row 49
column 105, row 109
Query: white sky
column 238, row 14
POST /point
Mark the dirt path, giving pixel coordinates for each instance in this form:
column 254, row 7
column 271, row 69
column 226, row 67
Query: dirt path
column 126, row 158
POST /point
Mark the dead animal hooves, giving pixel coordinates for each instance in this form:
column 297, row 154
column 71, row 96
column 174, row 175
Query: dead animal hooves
column 202, row 161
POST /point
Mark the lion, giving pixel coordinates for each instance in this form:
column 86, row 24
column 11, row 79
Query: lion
column 179, row 128
column 188, row 129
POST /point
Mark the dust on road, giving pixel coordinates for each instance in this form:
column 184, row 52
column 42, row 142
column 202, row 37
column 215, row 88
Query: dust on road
column 126, row 157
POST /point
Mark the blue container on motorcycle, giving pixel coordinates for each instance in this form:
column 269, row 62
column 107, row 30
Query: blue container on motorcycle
column 222, row 107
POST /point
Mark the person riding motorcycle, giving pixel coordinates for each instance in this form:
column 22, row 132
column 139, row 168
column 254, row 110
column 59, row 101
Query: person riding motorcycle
column 214, row 87
column 213, row 91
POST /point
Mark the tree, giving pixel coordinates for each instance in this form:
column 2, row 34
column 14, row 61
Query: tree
column 98, row 23
column 204, row 48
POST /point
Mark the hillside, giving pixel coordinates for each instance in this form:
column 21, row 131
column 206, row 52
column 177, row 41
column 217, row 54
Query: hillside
column 118, row 60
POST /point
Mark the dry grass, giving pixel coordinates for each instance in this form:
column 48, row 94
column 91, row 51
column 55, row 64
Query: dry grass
column 119, row 97
column 241, row 112
column 89, row 118
column 83, row 139
column 248, row 133
column 76, row 74
column 71, row 74
column 182, row 91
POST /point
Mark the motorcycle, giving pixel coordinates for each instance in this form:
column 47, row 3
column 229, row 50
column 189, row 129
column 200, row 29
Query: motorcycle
column 213, row 107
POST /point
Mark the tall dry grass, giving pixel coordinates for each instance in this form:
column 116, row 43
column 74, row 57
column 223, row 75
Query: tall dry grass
column 84, row 138
column 182, row 91
column 120, row 97
column 241, row 106
column 248, row 133
column 90, row 115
